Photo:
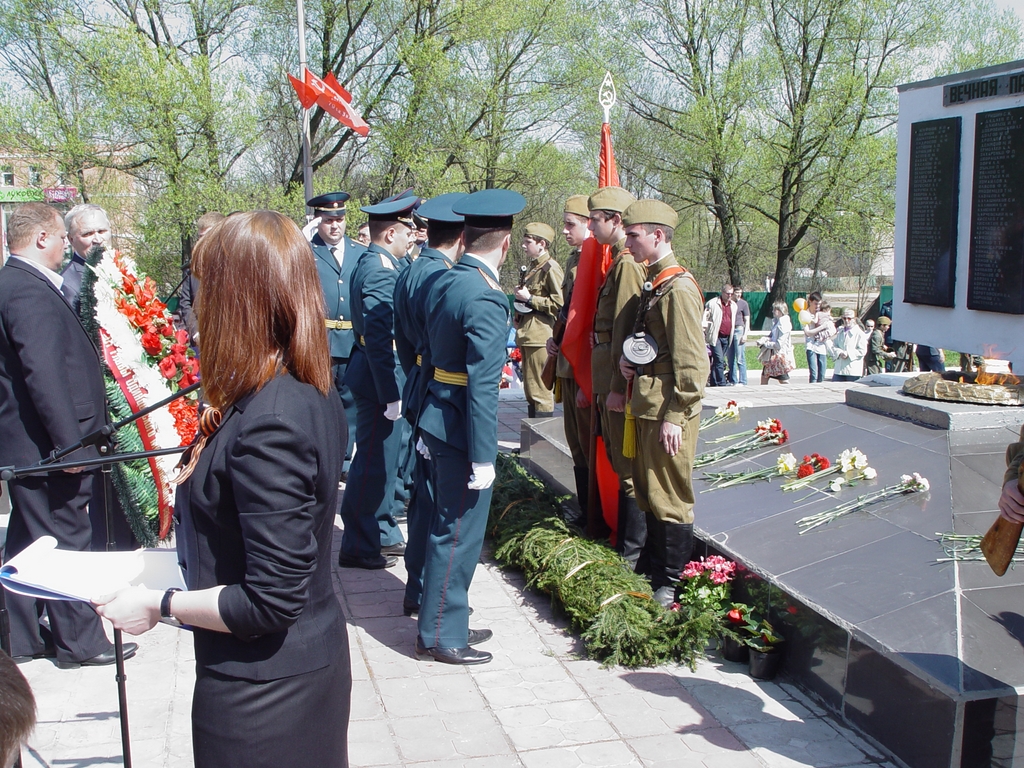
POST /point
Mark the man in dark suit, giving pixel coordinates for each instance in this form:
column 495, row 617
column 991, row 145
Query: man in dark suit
column 467, row 324
column 190, row 283
column 440, row 252
column 372, row 538
column 88, row 227
column 51, row 395
column 336, row 257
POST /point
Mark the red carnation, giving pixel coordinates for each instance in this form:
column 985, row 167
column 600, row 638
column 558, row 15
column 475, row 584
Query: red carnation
column 167, row 330
column 805, row 470
column 182, row 336
column 168, row 368
column 823, row 463
column 807, row 459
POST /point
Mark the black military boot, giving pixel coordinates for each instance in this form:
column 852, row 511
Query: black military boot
column 654, row 552
column 632, row 529
column 544, row 414
column 678, row 547
column 579, row 519
column 531, row 410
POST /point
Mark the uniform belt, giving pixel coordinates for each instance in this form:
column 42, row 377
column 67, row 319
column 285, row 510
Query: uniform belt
column 602, row 337
column 339, row 325
column 448, row 377
column 419, row 360
column 654, row 369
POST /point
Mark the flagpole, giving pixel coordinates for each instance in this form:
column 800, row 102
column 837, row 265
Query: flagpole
column 307, row 166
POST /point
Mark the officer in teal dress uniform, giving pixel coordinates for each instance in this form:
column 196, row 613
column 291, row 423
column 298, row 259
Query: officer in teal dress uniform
column 336, row 257
column 372, row 537
column 467, row 325
column 441, row 251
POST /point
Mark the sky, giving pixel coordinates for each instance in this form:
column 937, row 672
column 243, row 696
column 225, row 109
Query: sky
column 1017, row 5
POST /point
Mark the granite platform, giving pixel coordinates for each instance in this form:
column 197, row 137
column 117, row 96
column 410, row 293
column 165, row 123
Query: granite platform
column 924, row 657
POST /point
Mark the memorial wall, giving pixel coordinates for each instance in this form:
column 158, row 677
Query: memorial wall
column 959, row 242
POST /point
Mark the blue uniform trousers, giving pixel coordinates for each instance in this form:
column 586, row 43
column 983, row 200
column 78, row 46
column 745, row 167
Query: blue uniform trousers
column 454, row 541
column 368, row 504
column 406, row 462
column 420, row 521
column 348, row 401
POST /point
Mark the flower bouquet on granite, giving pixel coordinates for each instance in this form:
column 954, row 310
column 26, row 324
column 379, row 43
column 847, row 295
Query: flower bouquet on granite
column 852, row 465
column 728, row 411
column 914, row 483
column 961, row 547
column 784, row 465
column 766, row 433
column 761, row 427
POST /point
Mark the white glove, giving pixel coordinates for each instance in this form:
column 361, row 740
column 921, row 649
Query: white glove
column 482, row 477
column 310, row 228
column 393, row 411
column 421, row 449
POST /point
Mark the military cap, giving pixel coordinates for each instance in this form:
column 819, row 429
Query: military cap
column 332, row 202
column 439, row 208
column 577, row 204
column 611, row 199
column 650, row 212
column 541, row 230
column 490, row 208
column 395, row 208
column 884, row 321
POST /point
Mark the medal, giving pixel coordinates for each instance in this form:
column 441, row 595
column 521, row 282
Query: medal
column 640, row 349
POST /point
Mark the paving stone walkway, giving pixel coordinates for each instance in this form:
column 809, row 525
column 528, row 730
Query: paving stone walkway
column 539, row 704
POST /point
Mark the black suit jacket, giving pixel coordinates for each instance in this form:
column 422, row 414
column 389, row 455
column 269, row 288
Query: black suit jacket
column 186, row 303
column 51, row 383
column 257, row 515
column 73, row 274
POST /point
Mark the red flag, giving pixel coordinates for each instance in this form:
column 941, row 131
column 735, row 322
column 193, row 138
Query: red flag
column 577, row 341
column 331, row 97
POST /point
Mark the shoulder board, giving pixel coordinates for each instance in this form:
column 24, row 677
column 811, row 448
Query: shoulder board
column 385, row 261
column 490, row 280
column 546, row 266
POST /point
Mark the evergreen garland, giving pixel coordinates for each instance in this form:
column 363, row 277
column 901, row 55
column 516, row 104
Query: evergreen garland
column 621, row 623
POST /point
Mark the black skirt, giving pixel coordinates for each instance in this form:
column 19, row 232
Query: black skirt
column 299, row 721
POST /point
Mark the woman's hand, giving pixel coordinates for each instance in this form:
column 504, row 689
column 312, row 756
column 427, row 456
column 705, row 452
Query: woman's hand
column 133, row 610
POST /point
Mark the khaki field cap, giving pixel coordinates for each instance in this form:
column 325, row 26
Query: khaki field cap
column 611, row 199
column 650, row 212
column 577, row 204
column 884, row 321
column 543, row 231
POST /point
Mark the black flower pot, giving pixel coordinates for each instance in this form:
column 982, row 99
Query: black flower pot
column 734, row 650
column 764, row 665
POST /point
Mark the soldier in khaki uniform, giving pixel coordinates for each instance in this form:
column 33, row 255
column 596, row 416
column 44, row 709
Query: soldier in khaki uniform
column 667, row 392
column 613, row 323
column 575, row 406
column 542, row 294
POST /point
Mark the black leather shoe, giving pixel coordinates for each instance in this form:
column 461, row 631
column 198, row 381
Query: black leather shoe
column 384, row 561
column 101, row 659
column 395, row 549
column 453, row 655
column 409, row 608
column 477, row 636
column 49, row 653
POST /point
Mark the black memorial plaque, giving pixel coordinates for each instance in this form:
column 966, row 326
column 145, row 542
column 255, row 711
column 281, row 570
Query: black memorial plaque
column 932, row 210
column 995, row 281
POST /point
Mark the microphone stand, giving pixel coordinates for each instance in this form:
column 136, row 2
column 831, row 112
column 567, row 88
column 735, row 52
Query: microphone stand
column 103, row 440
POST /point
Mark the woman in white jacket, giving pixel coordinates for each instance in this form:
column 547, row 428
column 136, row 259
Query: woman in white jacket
column 778, row 341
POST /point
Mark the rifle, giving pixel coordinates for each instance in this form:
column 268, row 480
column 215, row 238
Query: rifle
column 521, row 308
column 1000, row 543
column 547, row 376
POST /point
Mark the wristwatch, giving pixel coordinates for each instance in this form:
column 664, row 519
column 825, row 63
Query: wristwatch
column 165, row 607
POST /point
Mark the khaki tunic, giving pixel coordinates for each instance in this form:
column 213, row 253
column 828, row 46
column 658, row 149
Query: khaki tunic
column 544, row 282
column 670, row 389
column 563, row 369
column 614, row 320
